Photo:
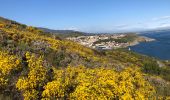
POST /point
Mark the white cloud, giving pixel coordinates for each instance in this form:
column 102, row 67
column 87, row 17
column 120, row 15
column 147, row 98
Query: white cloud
column 154, row 23
column 164, row 25
column 159, row 22
column 161, row 18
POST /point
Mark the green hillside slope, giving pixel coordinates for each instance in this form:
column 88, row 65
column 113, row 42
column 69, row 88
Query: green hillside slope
column 35, row 65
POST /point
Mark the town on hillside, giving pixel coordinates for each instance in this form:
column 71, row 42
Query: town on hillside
column 109, row 41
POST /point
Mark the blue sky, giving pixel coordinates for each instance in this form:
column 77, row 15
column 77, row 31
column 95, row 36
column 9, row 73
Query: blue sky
column 89, row 15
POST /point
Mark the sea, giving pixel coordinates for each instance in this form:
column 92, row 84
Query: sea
column 159, row 49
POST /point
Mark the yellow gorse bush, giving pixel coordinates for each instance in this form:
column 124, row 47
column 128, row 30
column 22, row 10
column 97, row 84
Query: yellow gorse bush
column 8, row 63
column 82, row 83
column 30, row 85
column 75, row 82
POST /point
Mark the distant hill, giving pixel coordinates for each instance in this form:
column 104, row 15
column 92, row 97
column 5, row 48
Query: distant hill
column 57, row 31
column 64, row 33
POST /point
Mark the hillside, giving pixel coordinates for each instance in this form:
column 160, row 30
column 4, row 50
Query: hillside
column 57, row 31
column 35, row 65
column 64, row 33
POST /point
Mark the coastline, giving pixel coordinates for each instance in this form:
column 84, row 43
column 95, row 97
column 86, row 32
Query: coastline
column 140, row 39
column 158, row 49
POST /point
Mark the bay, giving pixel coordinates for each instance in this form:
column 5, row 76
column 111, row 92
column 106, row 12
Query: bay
column 158, row 49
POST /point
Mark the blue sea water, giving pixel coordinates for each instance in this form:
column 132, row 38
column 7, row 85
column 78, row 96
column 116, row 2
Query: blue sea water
column 158, row 49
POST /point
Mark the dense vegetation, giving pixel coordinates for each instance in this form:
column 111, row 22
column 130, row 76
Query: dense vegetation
column 128, row 38
column 35, row 65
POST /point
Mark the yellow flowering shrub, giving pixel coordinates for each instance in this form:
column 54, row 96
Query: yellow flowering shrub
column 30, row 86
column 82, row 83
column 8, row 63
column 1, row 25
